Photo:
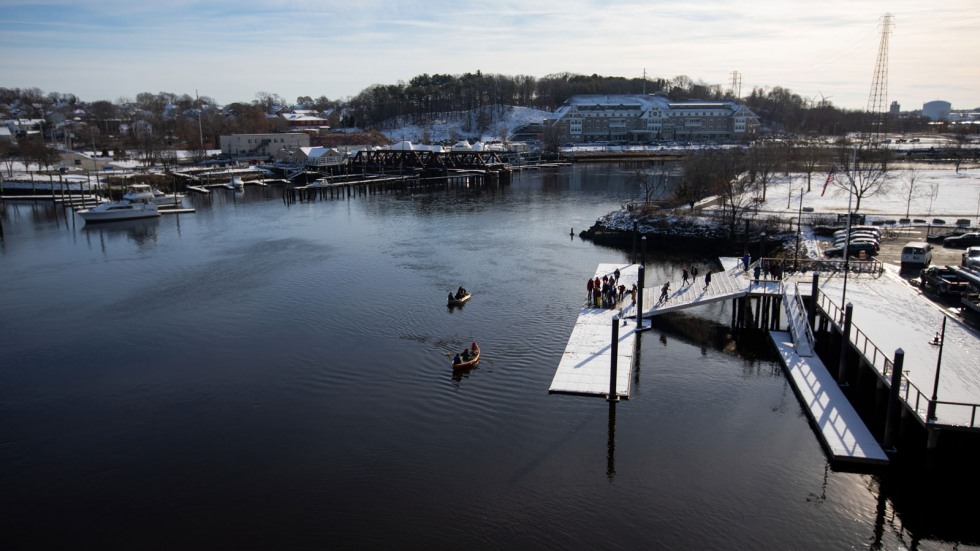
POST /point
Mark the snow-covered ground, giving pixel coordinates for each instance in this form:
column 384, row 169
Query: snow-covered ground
column 939, row 191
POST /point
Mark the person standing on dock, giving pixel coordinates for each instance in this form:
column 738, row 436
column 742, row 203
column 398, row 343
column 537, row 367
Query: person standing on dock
column 707, row 279
column 745, row 262
column 684, row 276
column 588, row 288
column 694, row 272
column 663, row 293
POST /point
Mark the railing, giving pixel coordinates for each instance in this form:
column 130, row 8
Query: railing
column 798, row 326
column 913, row 396
column 873, row 267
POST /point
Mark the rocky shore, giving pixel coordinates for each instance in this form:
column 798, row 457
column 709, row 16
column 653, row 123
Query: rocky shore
column 669, row 232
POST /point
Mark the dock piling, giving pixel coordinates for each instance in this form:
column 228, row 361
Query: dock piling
column 639, row 296
column 892, row 416
column 845, row 342
column 614, row 349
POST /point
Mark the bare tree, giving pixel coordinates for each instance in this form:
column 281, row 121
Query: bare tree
column 910, row 187
column 652, row 183
column 147, row 145
column 8, row 154
column 719, row 172
column 808, row 157
column 932, row 193
column 764, row 160
column 168, row 158
column 736, row 189
column 863, row 168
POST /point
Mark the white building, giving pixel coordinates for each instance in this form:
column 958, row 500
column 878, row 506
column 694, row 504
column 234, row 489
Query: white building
column 261, row 146
column 645, row 118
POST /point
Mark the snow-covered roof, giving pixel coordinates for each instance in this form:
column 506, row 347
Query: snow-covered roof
column 319, row 151
column 640, row 102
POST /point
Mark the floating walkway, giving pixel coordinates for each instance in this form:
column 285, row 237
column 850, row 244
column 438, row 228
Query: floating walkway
column 842, row 432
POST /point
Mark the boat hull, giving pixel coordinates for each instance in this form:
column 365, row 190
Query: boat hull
column 460, row 301
column 473, row 361
column 121, row 210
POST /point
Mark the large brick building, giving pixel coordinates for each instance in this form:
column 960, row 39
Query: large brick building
column 648, row 118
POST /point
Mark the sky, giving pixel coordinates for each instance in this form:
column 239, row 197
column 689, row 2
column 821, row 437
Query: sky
column 230, row 51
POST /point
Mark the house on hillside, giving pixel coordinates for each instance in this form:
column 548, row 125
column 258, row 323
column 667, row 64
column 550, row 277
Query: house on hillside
column 261, row 146
column 305, row 122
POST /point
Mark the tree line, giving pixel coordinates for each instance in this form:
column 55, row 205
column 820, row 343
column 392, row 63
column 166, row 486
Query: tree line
column 158, row 121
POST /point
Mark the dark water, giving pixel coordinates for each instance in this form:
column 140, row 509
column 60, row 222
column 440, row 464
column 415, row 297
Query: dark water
column 257, row 375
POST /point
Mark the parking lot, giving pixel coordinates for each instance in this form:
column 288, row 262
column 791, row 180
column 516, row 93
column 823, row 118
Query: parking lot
column 893, row 241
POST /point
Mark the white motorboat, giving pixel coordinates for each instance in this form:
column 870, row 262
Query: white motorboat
column 140, row 205
column 236, row 184
column 135, row 191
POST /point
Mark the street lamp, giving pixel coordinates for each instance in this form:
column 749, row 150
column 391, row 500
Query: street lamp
column 799, row 222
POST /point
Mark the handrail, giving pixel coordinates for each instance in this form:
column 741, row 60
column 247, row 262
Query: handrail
column 913, row 396
column 796, row 312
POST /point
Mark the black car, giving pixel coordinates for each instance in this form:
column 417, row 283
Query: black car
column 854, row 249
column 962, row 241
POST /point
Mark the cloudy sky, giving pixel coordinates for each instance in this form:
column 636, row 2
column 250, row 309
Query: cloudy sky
column 111, row 49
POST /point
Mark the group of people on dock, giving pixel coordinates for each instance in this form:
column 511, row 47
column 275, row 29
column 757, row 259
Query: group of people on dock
column 768, row 268
column 607, row 292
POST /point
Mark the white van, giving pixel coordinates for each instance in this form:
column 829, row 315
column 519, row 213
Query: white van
column 917, row 253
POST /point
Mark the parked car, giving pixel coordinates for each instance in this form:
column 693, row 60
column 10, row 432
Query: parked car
column 963, row 241
column 839, row 243
column 916, row 253
column 876, row 231
column 971, row 257
column 856, row 237
column 853, row 249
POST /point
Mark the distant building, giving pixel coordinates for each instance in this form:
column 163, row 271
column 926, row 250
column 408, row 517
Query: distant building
column 645, row 118
column 304, row 121
column 261, row 146
column 895, row 109
column 313, row 157
column 85, row 161
column 936, row 110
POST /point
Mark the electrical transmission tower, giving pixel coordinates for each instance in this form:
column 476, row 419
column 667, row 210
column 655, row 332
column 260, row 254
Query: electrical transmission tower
column 878, row 99
column 736, row 84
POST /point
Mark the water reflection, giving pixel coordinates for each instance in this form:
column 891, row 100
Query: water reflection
column 142, row 231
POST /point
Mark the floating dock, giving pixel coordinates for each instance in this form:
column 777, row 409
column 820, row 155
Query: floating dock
column 585, row 365
column 841, row 431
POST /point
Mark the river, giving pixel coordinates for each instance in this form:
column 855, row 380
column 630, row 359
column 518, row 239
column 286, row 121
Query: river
column 267, row 375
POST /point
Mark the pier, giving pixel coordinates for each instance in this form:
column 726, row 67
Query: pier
column 887, row 324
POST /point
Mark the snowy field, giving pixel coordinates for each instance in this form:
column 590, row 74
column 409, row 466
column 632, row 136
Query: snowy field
column 938, row 191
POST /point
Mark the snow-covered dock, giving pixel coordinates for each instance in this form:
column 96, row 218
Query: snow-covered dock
column 585, row 365
column 841, row 431
column 889, row 314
